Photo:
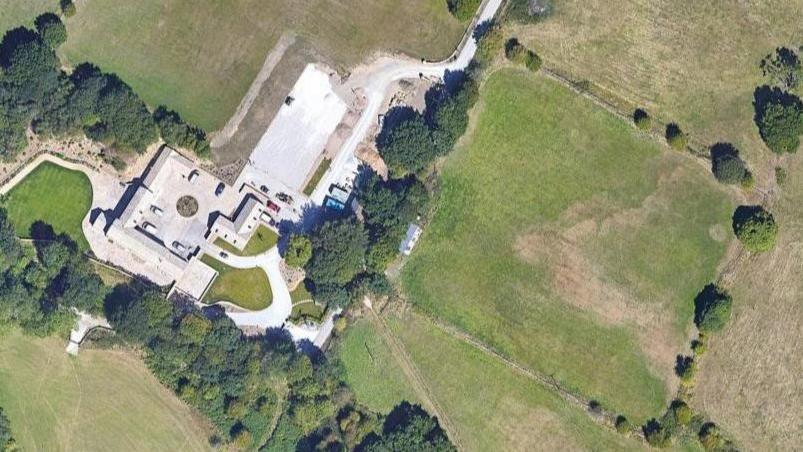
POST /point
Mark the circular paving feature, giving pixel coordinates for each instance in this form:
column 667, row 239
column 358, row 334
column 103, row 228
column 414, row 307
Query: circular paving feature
column 187, row 206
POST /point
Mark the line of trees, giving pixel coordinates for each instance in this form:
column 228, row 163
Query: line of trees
column 7, row 443
column 35, row 92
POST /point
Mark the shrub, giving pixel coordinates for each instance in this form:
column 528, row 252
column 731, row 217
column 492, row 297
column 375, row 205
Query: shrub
column 622, row 425
column 642, row 119
column 463, row 9
column 755, row 228
column 529, row 11
column 656, row 434
column 67, row 8
column 594, row 407
column 675, row 137
column 710, row 437
column 532, row 61
column 681, row 412
column 517, row 53
column 51, row 29
column 489, row 42
column 685, row 368
column 780, row 175
column 698, row 347
column 712, row 309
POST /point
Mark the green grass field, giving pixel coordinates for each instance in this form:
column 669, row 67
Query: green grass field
column 98, row 401
column 696, row 63
column 23, row 12
column 493, row 408
column 307, row 310
column 370, row 369
column 247, row 288
column 58, row 196
column 200, row 57
column 574, row 242
column 262, row 240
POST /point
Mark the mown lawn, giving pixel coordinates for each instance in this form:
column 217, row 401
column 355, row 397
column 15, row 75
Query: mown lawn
column 57, row 196
column 98, row 401
column 262, row 240
column 370, row 369
column 199, row 58
column 247, row 288
column 554, row 211
column 492, row 407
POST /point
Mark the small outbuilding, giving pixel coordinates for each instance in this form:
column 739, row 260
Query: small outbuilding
column 410, row 239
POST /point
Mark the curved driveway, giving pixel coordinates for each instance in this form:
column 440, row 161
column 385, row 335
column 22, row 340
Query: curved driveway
column 380, row 75
column 280, row 308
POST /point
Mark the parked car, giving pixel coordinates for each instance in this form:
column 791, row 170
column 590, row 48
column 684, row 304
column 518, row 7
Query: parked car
column 273, row 206
column 224, row 254
column 157, row 210
column 193, row 175
column 150, row 228
column 219, row 190
column 179, row 246
column 264, row 189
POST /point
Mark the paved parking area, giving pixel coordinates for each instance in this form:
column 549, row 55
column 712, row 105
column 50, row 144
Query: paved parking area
column 289, row 151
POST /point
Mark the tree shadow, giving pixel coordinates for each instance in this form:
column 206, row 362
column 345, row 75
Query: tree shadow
column 482, row 29
column 392, row 119
column 766, row 95
column 744, row 213
column 708, row 295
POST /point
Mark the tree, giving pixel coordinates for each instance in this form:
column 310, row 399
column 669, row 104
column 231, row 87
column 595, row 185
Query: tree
column 51, row 29
column 338, row 252
column 755, row 228
column 81, row 288
column 299, row 251
column 712, row 309
column 7, row 442
column 10, row 247
column 780, row 127
column 489, row 41
column 176, row 132
column 783, row 68
column 642, row 119
column 675, row 137
column 408, row 428
column 726, row 165
column 622, row 425
column 656, row 434
column 409, row 147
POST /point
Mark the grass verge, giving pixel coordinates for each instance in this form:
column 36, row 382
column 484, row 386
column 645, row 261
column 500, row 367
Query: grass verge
column 262, row 240
column 319, row 172
column 57, row 196
column 247, row 288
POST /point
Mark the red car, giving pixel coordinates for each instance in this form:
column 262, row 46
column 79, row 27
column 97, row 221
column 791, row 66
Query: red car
column 273, row 206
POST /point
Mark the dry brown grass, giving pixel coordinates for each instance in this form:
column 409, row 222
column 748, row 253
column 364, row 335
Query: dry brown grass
column 750, row 381
column 687, row 61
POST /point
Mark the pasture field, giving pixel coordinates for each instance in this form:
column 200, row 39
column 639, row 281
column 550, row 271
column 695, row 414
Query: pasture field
column 371, row 370
column 565, row 239
column 749, row 380
column 492, row 407
column 57, row 196
column 199, row 58
column 695, row 63
column 14, row 13
column 100, row 400
column 247, row 288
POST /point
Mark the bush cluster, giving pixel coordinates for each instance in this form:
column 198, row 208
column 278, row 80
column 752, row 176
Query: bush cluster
column 517, row 53
column 727, row 167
